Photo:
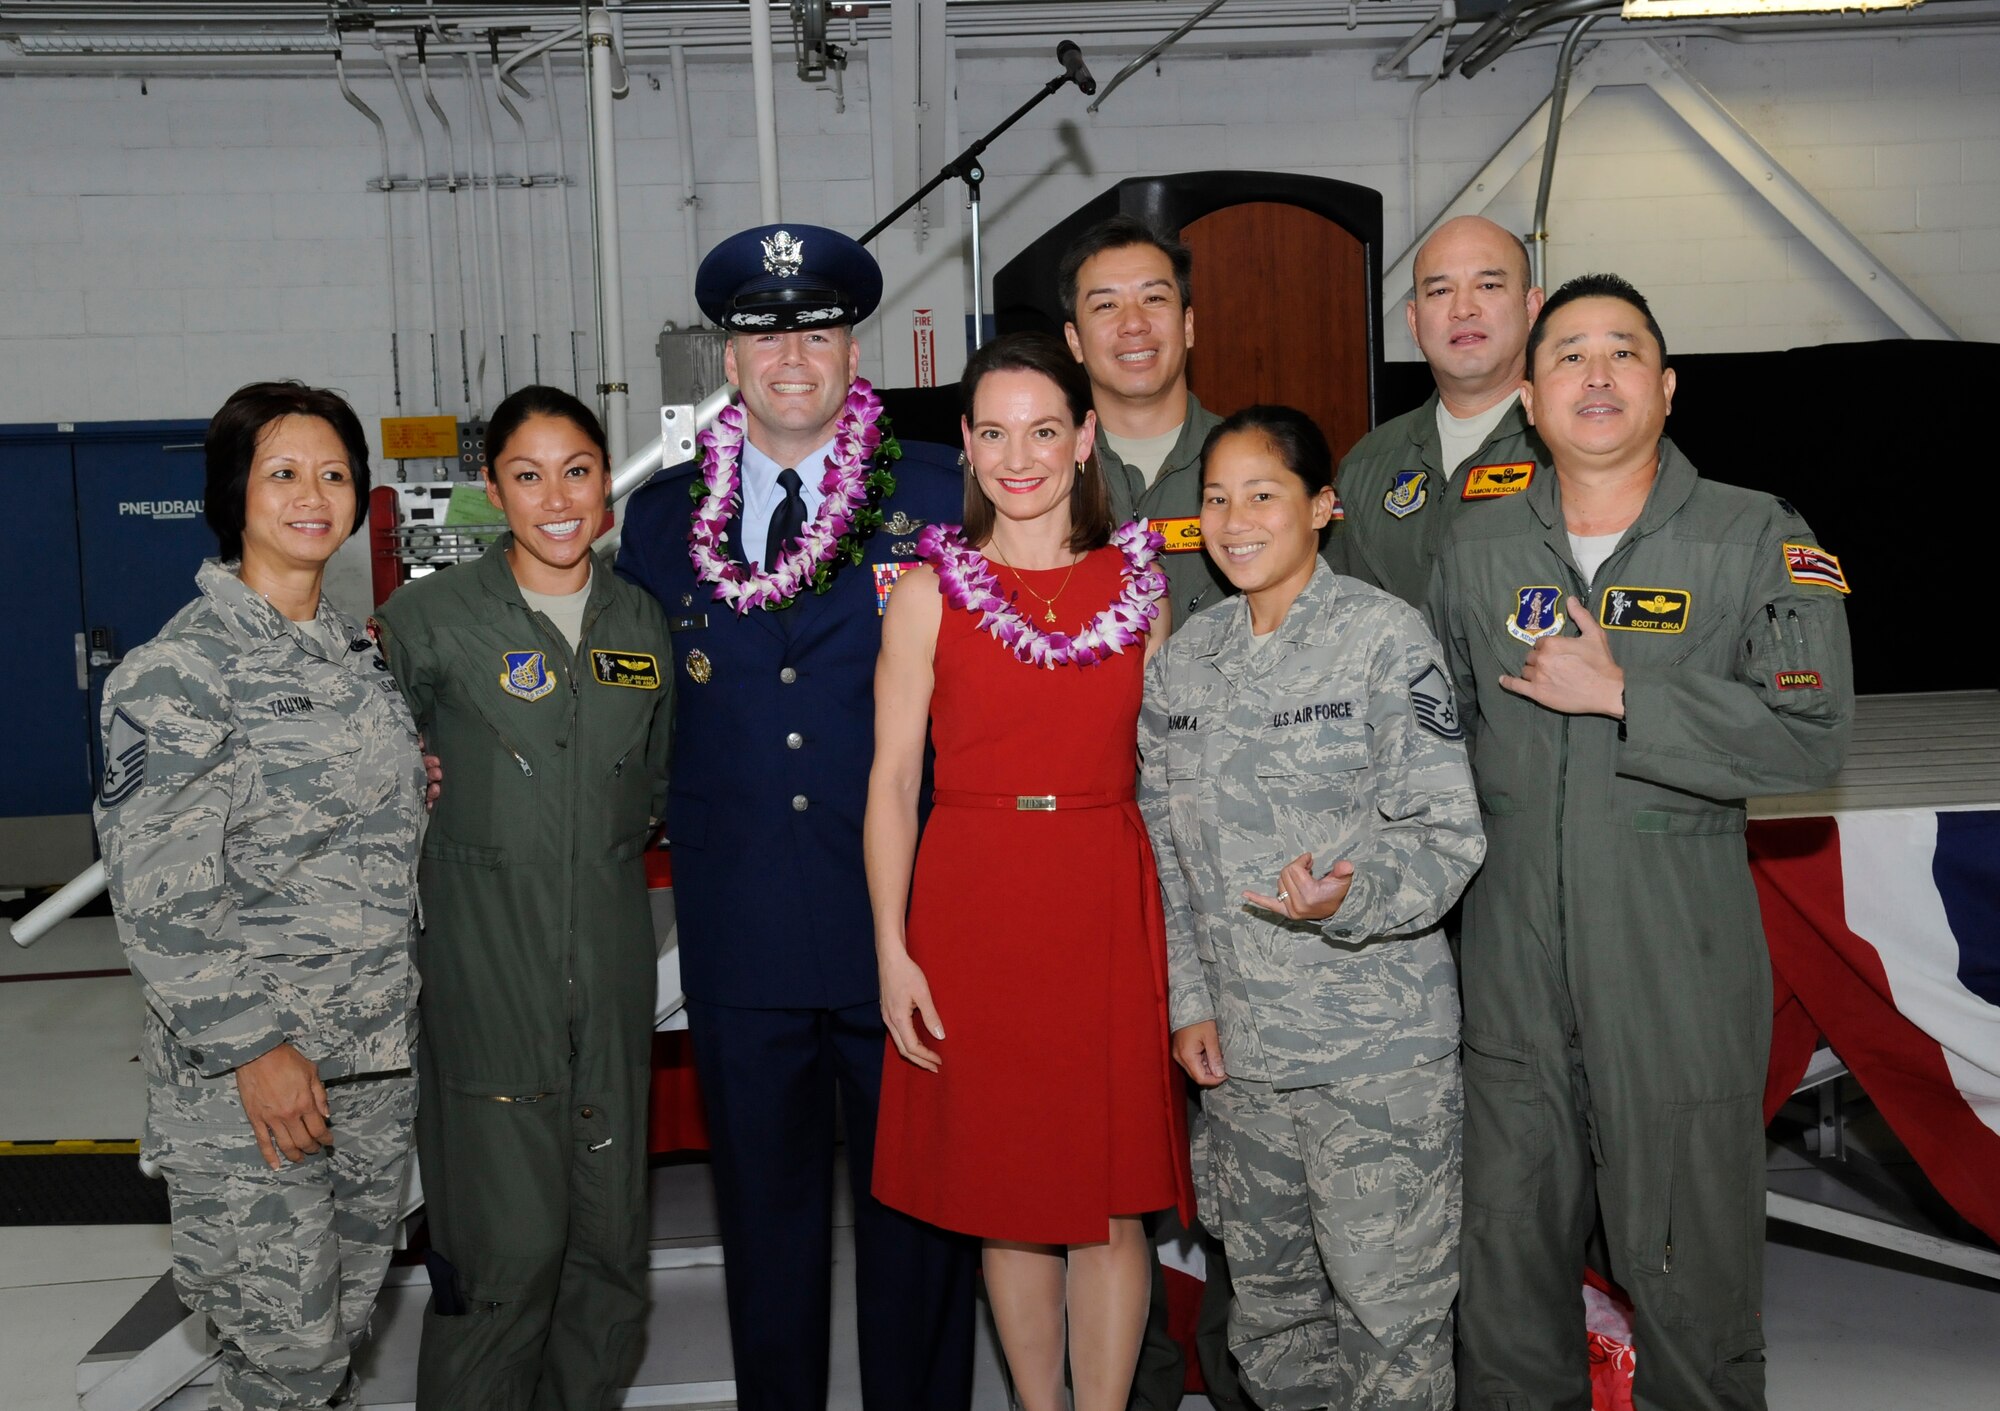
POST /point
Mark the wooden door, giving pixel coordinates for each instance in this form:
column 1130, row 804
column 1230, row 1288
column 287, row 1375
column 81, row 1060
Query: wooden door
column 1281, row 315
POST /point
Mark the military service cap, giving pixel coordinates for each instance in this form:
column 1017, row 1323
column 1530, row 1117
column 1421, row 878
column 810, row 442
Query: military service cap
column 774, row 278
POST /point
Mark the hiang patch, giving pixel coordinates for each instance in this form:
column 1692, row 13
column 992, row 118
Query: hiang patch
column 1800, row 681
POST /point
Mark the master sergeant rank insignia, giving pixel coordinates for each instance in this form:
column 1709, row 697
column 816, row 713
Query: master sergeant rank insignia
column 1627, row 609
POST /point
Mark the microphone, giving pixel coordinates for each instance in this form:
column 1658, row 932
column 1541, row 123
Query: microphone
column 1071, row 58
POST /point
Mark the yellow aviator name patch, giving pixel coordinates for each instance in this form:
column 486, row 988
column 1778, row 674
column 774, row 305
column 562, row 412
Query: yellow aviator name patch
column 1182, row 535
column 638, row 670
column 1489, row 482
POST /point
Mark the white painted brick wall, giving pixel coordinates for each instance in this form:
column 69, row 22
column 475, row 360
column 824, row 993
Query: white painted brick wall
column 157, row 250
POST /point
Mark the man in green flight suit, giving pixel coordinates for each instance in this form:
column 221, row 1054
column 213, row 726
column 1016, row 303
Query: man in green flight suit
column 1467, row 448
column 1635, row 649
column 1128, row 292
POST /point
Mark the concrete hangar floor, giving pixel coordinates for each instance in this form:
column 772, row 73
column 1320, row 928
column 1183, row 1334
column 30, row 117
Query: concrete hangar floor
column 1851, row 1328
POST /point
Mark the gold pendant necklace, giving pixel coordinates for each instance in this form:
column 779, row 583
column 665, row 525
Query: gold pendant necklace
column 1048, row 604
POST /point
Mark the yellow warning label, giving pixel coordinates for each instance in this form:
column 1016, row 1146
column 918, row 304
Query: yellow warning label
column 408, row 437
column 68, row 1148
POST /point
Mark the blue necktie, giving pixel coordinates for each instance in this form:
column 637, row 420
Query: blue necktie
column 788, row 520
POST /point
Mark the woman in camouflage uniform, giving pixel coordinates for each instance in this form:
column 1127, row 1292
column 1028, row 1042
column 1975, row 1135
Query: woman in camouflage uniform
column 259, row 815
column 1308, row 797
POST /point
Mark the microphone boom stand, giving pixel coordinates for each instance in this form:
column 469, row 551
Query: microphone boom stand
column 966, row 167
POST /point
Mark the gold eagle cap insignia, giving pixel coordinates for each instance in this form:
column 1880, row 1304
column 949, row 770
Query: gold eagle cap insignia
column 784, row 254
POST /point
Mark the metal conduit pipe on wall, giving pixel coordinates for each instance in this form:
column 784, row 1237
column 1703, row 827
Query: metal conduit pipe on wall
column 763, row 85
column 481, row 333
column 457, row 237
column 501, row 83
column 388, row 227
column 690, row 202
column 424, row 204
column 1538, row 239
column 569, row 239
column 611, row 382
column 475, row 93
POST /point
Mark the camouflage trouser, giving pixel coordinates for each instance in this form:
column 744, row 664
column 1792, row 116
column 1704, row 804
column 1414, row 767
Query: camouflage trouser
column 1339, row 1207
column 286, row 1264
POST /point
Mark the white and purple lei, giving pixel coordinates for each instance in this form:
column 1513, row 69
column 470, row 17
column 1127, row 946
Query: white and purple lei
column 855, row 481
column 967, row 580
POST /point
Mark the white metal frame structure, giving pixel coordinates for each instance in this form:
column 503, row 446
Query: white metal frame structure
column 1646, row 64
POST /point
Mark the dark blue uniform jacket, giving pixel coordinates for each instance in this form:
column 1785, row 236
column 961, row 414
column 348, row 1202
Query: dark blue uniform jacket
column 771, row 753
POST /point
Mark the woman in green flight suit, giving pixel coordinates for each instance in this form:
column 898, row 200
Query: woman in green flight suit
column 542, row 683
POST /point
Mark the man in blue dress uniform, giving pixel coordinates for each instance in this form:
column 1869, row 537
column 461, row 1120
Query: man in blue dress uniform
column 774, row 730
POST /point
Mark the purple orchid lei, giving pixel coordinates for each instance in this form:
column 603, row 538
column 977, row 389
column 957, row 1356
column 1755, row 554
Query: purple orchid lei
column 967, row 580
column 857, row 478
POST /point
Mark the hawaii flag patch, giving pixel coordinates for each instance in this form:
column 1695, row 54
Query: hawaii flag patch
column 1808, row 563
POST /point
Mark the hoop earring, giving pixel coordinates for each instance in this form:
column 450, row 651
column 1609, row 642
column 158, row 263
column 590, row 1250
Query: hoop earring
column 1082, row 467
column 964, row 465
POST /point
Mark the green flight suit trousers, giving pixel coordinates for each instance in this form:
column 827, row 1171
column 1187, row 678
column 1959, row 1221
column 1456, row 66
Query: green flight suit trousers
column 1632, row 1089
column 540, row 1207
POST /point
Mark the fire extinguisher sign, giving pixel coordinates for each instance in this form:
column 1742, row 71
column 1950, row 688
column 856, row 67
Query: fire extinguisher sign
column 924, row 334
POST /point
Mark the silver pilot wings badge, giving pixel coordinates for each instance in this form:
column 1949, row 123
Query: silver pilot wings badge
column 784, row 253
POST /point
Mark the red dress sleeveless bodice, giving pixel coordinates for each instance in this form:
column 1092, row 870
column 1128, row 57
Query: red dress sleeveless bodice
column 1040, row 932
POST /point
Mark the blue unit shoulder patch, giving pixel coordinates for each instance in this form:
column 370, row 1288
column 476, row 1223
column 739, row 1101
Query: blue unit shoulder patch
column 527, row 676
column 1407, row 493
column 124, row 759
column 1536, row 613
column 1431, row 702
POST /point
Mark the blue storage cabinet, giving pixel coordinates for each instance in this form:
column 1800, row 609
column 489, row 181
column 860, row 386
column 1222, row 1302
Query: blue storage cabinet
column 115, row 533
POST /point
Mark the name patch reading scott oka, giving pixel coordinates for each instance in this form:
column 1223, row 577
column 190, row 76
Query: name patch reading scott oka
column 1183, row 536
column 1489, row 482
column 1629, row 609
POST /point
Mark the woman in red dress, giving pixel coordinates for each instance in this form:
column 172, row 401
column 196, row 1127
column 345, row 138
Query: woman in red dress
column 1028, row 927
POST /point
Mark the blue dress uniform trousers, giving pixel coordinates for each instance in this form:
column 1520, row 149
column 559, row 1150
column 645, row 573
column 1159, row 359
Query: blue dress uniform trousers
column 774, row 735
